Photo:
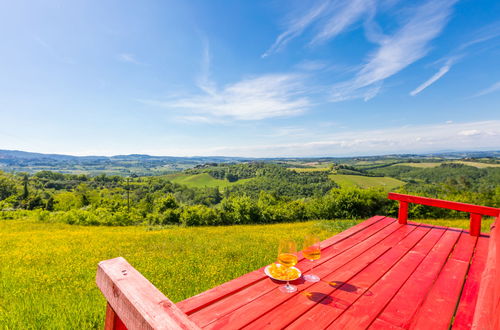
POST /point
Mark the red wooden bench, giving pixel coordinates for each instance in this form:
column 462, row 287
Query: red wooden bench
column 383, row 273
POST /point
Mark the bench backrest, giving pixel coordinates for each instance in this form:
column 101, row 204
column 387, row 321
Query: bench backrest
column 476, row 211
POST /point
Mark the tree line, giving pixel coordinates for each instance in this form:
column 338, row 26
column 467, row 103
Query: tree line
column 273, row 194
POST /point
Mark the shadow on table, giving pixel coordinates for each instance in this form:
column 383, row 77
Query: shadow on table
column 344, row 286
column 324, row 299
column 318, row 297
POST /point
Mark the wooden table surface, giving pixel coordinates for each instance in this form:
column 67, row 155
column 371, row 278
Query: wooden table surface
column 378, row 274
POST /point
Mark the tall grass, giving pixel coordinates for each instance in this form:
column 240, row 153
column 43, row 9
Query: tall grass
column 47, row 270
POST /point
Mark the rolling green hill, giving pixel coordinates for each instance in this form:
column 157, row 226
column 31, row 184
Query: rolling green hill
column 366, row 181
column 202, row 180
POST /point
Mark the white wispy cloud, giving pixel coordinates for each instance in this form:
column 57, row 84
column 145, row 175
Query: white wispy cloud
column 267, row 96
column 407, row 45
column 408, row 139
column 341, row 16
column 296, row 25
column 287, row 132
column 329, row 18
column 128, row 58
column 438, row 75
column 203, row 81
column 255, row 98
column 200, row 120
column 487, row 33
column 493, row 88
column 469, row 132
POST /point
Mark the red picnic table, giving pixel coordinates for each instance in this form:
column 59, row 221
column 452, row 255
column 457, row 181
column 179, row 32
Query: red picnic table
column 383, row 273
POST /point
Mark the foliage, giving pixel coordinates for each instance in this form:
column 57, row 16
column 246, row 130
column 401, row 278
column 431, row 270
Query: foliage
column 263, row 193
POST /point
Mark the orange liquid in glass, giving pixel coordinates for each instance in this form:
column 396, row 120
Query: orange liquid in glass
column 287, row 259
column 311, row 253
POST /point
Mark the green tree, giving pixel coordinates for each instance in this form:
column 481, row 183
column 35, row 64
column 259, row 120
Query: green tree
column 26, row 192
column 167, row 203
column 49, row 206
column 7, row 187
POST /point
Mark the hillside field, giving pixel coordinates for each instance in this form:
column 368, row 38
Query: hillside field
column 430, row 165
column 47, row 270
column 201, row 180
column 360, row 181
column 310, row 169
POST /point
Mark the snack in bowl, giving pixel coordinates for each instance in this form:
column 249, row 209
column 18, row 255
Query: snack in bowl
column 279, row 272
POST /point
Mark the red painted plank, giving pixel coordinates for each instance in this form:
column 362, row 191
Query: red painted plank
column 439, row 306
column 322, row 315
column 465, row 312
column 483, row 210
column 297, row 305
column 112, row 321
column 465, row 247
column 320, row 294
column 487, row 313
column 379, row 324
column 197, row 302
column 229, row 303
column 406, row 302
column 364, row 311
column 335, row 256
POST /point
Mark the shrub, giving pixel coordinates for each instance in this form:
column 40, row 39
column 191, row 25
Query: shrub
column 240, row 210
column 199, row 215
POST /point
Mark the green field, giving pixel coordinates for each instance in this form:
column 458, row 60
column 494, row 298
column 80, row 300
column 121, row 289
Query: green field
column 47, row 271
column 419, row 165
column 360, row 181
column 310, row 169
column 202, row 180
column 476, row 164
column 430, row 165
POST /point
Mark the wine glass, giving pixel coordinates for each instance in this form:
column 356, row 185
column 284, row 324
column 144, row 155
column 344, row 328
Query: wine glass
column 287, row 257
column 311, row 252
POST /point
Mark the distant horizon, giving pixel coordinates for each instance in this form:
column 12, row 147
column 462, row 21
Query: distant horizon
column 438, row 152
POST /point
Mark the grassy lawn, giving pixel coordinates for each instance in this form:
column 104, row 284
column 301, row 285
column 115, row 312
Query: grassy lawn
column 360, row 181
column 202, row 180
column 47, row 271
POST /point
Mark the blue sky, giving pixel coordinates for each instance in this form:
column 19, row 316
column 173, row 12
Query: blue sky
column 249, row 78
